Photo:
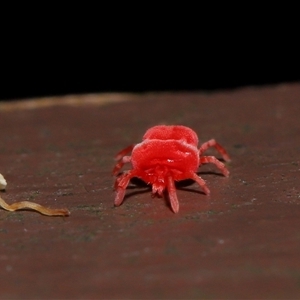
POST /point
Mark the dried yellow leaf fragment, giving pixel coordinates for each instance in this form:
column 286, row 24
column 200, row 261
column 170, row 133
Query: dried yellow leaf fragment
column 34, row 206
column 30, row 205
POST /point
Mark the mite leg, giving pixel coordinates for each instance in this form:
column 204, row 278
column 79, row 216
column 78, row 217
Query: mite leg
column 201, row 182
column 124, row 152
column 215, row 161
column 120, row 164
column 117, row 182
column 120, row 186
column 172, row 195
column 219, row 148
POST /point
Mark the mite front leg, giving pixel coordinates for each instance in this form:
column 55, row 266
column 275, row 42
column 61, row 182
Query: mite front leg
column 120, row 186
column 172, row 195
column 201, row 182
column 217, row 146
column 215, row 161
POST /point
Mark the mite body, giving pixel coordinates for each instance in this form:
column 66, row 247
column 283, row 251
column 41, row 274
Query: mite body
column 166, row 154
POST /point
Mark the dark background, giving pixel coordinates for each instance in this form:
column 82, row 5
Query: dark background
column 27, row 80
column 58, row 50
column 37, row 62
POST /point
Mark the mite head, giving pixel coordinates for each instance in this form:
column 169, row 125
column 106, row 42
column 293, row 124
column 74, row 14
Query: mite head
column 159, row 179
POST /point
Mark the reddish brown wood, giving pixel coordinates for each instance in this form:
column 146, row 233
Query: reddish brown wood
column 242, row 241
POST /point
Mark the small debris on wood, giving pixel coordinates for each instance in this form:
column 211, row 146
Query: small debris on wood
column 3, row 182
column 30, row 205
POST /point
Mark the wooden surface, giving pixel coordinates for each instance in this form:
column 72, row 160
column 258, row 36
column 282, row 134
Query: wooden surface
column 243, row 241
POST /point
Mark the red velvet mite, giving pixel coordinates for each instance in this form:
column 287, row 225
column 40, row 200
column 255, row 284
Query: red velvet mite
column 166, row 154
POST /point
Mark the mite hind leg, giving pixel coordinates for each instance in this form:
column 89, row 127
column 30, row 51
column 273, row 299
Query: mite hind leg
column 216, row 162
column 124, row 152
column 119, row 165
column 122, row 159
column 217, row 146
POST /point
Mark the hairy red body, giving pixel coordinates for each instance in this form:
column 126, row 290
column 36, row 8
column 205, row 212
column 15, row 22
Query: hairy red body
column 166, row 154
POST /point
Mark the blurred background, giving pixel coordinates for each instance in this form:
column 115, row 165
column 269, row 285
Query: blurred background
column 77, row 53
column 48, row 75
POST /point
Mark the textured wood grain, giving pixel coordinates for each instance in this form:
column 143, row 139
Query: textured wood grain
column 240, row 242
